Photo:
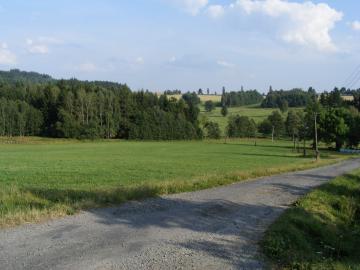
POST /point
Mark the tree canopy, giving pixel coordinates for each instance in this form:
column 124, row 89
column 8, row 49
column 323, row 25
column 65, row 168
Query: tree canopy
column 241, row 98
column 293, row 98
column 81, row 109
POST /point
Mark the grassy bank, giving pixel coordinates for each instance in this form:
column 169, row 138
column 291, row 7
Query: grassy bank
column 41, row 179
column 321, row 231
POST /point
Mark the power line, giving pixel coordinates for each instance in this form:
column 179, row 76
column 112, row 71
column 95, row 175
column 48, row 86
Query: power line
column 355, row 81
column 353, row 77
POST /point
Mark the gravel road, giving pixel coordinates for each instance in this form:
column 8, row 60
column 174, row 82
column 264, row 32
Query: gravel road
column 211, row 229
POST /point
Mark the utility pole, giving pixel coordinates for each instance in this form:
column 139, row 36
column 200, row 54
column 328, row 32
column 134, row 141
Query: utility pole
column 317, row 153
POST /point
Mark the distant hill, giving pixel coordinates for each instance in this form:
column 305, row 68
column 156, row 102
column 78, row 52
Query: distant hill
column 15, row 75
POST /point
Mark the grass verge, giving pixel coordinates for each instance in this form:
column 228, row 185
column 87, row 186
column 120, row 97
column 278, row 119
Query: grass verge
column 21, row 205
column 321, row 230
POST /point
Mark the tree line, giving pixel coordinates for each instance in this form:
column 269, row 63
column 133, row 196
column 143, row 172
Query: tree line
column 240, row 98
column 81, row 109
column 292, row 98
column 338, row 122
column 32, row 104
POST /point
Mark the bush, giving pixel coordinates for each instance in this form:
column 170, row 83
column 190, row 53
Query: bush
column 213, row 130
column 241, row 127
column 224, row 111
column 209, row 106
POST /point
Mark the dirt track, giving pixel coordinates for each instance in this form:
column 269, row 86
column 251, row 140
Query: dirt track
column 210, row 229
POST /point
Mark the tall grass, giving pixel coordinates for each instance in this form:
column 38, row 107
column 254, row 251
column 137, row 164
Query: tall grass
column 321, row 231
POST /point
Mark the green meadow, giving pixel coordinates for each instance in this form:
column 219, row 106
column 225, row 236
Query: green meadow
column 44, row 178
column 255, row 112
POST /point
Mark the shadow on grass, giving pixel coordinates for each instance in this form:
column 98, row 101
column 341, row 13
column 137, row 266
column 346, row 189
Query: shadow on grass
column 84, row 199
column 260, row 155
column 258, row 145
column 323, row 151
column 301, row 239
column 269, row 155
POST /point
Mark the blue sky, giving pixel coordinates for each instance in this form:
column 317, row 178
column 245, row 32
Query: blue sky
column 185, row 44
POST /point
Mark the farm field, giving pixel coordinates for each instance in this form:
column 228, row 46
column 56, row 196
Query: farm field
column 203, row 98
column 45, row 178
column 253, row 111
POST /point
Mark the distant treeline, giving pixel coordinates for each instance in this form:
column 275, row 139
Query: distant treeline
column 172, row 92
column 291, row 98
column 347, row 92
column 338, row 122
column 16, row 76
column 241, row 98
column 37, row 105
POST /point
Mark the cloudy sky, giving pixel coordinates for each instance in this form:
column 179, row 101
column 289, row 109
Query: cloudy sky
column 185, row 44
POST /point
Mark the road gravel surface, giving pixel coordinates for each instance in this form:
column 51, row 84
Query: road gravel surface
column 217, row 228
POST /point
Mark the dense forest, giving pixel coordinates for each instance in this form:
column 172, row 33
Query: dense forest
column 14, row 76
column 292, row 98
column 34, row 104
column 240, row 98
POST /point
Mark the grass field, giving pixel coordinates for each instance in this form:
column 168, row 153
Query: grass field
column 42, row 178
column 322, row 230
column 253, row 111
column 203, row 98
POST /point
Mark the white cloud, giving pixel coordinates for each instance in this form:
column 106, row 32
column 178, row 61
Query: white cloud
column 225, row 64
column 192, row 6
column 356, row 25
column 41, row 44
column 50, row 40
column 307, row 23
column 172, row 59
column 139, row 60
column 6, row 56
column 36, row 47
column 87, row 67
column 215, row 11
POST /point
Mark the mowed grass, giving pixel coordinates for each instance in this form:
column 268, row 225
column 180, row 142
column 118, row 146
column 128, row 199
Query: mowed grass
column 50, row 178
column 322, row 230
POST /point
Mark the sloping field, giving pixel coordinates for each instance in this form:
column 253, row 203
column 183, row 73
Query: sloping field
column 52, row 178
column 253, row 111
